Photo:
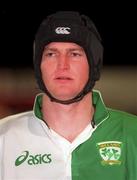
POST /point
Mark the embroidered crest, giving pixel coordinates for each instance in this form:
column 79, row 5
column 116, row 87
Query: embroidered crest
column 110, row 152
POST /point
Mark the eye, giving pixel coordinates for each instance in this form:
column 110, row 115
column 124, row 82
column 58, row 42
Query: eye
column 75, row 54
column 49, row 54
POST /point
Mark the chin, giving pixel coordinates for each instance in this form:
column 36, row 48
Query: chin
column 64, row 93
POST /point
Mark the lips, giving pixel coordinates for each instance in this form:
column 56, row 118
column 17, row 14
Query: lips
column 63, row 79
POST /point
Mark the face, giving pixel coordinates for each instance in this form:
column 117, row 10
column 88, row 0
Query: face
column 65, row 69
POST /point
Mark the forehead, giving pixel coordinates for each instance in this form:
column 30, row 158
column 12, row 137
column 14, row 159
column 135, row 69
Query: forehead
column 63, row 45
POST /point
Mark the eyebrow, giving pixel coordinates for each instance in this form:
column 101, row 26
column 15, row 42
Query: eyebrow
column 68, row 49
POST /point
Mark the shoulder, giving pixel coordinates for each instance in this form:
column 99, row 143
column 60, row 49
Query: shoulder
column 128, row 120
column 15, row 121
column 122, row 115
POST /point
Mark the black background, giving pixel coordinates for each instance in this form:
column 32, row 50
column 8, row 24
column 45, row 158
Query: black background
column 19, row 22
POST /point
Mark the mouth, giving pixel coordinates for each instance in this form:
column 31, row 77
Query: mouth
column 63, row 79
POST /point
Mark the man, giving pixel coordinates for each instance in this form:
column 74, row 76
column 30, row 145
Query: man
column 70, row 134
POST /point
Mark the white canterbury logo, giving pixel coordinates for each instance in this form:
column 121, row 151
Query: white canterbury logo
column 62, row 30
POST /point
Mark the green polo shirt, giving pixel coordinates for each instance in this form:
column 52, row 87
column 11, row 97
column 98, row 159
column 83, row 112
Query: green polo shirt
column 111, row 151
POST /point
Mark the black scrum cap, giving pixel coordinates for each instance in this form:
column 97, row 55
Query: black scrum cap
column 69, row 26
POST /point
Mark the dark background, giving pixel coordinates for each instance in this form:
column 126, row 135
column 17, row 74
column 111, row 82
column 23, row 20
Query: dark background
column 19, row 21
column 116, row 23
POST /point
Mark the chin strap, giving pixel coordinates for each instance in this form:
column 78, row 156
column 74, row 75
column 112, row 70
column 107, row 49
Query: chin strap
column 77, row 98
column 88, row 87
column 69, row 101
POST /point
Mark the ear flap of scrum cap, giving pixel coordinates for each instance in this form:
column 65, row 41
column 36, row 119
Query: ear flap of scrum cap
column 95, row 47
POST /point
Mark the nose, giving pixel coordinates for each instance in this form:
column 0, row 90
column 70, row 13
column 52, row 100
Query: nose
column 63, row 63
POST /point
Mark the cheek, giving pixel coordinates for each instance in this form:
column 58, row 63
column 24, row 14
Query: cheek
column 46, row 69
column 83, row 71
column 45, row 72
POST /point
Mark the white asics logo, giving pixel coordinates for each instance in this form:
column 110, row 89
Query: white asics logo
column 62, row 30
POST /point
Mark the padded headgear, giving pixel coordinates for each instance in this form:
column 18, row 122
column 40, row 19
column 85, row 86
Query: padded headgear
column 69, row 26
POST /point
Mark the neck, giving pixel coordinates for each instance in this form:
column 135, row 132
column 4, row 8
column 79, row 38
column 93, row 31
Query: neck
column 68, row 120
